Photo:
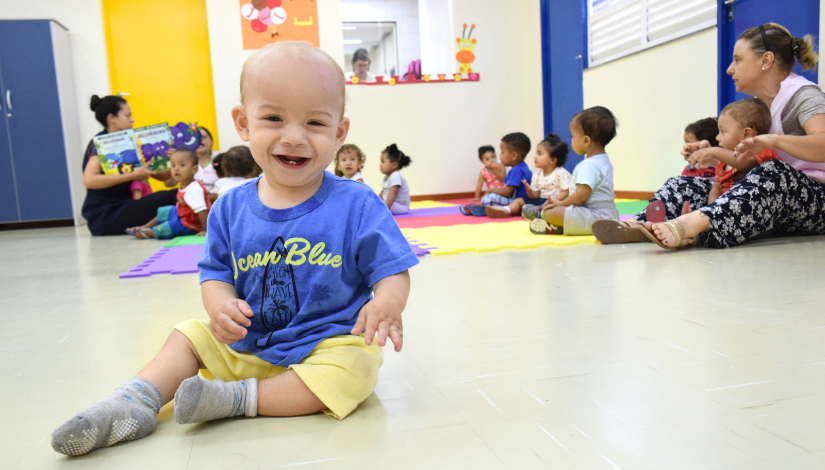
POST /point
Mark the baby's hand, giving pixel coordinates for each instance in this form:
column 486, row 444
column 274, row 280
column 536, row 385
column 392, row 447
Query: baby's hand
column 202, row 233
column 384, row 316
column 227, row 320
column 688, row 149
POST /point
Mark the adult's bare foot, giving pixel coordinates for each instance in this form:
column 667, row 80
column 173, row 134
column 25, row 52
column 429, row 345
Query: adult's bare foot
column 693, row 224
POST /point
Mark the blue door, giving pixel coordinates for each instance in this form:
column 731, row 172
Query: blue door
column 9, row 208
column 35, row 128
column 800, row 17
column 563, row 57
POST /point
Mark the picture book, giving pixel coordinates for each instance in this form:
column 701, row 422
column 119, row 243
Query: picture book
column 117, row 152
column 153, row 142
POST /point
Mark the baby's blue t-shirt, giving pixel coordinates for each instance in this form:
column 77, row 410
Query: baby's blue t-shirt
column 514, row 177
column 305, row 271
column 596, row 172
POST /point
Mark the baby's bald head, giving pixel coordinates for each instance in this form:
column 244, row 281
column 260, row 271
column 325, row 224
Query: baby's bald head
column 290, row 54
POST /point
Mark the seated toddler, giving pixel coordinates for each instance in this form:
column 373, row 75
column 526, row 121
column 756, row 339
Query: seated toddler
column 188, row 217
column 493, row 172
column 703, row 130
column 550, row 181
column 514, row 148
column 297, row 264
column 237, row 167
column 591, row 189
column 349, row 161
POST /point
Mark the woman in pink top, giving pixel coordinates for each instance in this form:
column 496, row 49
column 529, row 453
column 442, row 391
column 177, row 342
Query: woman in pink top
column 492, row 174
column 779, row 197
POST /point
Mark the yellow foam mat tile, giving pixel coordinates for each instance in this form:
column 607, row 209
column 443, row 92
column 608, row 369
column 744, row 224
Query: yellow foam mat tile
column 429, row 204
column 487, row 237
column 619, row 199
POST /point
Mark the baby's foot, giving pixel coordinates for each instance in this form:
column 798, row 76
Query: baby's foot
column 127, row 414
column 497, row 212
column 198, row 400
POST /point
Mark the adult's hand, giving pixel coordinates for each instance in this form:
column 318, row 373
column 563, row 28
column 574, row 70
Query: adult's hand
column 141, row 173
column 692, row 147
column 750, row 148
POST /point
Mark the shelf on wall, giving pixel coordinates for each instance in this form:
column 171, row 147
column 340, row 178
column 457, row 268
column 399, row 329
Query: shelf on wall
column 438, row 78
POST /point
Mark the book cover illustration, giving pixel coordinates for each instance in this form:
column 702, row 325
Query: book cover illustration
column 154, row 141
column 117, row 152
column 186, row 136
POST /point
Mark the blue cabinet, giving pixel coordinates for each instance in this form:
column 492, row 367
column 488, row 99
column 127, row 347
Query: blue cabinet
column 35, row 181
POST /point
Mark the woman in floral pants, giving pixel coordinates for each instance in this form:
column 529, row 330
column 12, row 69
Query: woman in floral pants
column 779, row 197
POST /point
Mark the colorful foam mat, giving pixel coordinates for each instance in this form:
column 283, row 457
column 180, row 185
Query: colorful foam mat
column 431, row 227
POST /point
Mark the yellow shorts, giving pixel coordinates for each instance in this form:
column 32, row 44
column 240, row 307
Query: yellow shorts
column 341, row 371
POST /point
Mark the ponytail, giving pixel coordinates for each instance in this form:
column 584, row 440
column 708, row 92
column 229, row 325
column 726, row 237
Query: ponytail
column 803, row 50
column 786, row 48
column 556, row 148
column 397, row 156
column 105, row 106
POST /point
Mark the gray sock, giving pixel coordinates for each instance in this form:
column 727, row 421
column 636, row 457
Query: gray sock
column 199, row 400
column 127, row 414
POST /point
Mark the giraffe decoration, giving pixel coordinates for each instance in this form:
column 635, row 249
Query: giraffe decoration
column 465, row 55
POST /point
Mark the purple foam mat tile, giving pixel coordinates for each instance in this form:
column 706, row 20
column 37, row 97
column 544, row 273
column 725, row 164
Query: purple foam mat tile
column 133, row 275
column 175, row 260
column 429, row 212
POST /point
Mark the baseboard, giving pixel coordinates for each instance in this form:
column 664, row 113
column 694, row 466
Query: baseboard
column 644, row 195
column 37, row 224
column 441, row 197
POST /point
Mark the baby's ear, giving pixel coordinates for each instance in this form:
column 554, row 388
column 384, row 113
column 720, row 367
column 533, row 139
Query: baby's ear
column 241, row 122
column 750, row 132
column 341, row 132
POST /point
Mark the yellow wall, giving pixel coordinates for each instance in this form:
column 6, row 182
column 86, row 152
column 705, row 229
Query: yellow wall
column 159, row 54
column 654, row 95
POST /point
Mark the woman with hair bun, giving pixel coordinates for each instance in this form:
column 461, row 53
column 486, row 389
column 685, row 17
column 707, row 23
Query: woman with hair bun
column 109, row 207
column 779, row 197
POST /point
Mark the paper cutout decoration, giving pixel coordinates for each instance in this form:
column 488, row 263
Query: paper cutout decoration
column 266, row 21
column 465, row 55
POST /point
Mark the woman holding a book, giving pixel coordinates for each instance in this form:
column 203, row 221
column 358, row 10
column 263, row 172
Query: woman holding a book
column 109, row 207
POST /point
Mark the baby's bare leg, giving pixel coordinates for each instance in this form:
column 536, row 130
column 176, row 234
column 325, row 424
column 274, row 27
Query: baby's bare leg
column 554, row 216
column 176, row 361
column 516, row 206
column 131, row 411
column 287, row 395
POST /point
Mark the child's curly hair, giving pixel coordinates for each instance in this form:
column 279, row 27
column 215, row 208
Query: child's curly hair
column 346, row 148
column 556, row 148
column 397, row 156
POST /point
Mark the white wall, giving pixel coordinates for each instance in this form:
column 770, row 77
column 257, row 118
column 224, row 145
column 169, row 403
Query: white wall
column 654, row 95
column 437, row 29
column 439, row 125
column 442, row 125
column 90, row 65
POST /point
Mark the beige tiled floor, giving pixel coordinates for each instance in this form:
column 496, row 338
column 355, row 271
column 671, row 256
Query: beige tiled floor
column 582, row 357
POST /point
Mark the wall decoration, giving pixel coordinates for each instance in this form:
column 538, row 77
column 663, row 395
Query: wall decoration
column 266, row 21
column 465, row 55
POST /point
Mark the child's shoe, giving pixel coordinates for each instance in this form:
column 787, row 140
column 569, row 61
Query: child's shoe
column 478, row 210
column 472, row 209
column 530, row 212
column 541, row 227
